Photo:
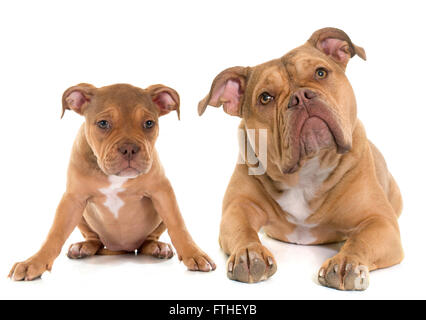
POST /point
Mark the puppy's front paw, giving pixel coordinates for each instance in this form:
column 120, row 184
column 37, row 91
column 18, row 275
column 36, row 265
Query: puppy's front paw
column 197, row 260
column 156, row 249
column 84, row 249
column 252, row 263
column 344, row 273
column 30, row 269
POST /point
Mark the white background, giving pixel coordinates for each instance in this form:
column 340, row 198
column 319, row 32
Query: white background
column 48, row 46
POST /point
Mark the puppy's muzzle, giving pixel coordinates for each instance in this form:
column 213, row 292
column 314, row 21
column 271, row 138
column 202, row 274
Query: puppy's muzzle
column 129, row 150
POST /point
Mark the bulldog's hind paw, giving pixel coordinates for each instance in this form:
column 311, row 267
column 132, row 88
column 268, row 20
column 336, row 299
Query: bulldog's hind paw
column 344, row 273
column 252, row 263
column 156, row 249
column 84, row 249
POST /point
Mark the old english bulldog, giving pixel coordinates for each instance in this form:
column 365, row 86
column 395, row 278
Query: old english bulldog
column 117, row 192
column 323, row 180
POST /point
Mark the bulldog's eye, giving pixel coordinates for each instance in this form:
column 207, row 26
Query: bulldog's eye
column 149, row 124
column 321, row 73
column 265, row 98
column 103, row 124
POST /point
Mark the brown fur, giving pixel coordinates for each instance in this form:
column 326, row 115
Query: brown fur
column 359, row 201
column 149, row 204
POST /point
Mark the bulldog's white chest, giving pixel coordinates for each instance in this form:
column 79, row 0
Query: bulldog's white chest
column 113, row 202
column 295, row 200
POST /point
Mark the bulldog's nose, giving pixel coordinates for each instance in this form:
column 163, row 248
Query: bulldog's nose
column 128, row 150
column 300, row 97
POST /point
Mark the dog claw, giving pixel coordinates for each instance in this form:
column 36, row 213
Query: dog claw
column 230, row 266
column 156, row 249
column 250, row 264
column 199, row 261
column 354, row 277
column 30, row 269
column 84, row 249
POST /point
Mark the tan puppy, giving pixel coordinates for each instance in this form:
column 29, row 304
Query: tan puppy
column 117, row 192
column 324, row 181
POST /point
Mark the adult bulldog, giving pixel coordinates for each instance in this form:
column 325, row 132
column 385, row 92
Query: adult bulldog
column 324, row 181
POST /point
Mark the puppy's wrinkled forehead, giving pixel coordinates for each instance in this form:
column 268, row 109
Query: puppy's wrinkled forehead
column 121, row 99
column 85, row 99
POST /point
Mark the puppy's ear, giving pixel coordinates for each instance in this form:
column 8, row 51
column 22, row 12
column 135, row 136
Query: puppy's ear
column 77, row 98
column 336, row 44
column 165, row 98
column 227, row 89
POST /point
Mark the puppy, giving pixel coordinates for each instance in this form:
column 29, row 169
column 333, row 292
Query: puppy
column 117, row 192
column 318, row 178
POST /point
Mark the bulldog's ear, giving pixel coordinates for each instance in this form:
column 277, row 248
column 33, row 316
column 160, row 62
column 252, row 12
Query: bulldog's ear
column 227, row 89
column 165, row 98
column 77, row 98
column 336, row 44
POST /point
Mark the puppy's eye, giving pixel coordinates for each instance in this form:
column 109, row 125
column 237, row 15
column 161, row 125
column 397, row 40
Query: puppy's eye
column 103, row 124
column 265, row 98
column 321, row 73
column 149, row 124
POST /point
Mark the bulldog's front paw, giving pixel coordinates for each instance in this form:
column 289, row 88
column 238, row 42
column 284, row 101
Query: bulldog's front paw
column 344, row 273
column 197, row 260
column 84, row 249
column 252, row 263
column 30, row 269
column 156, row 249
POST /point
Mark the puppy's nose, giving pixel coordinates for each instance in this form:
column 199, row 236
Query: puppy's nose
column 300, row 97
column 128, row 150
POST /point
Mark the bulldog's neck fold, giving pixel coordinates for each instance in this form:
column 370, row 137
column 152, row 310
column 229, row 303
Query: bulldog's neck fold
column 300, row 194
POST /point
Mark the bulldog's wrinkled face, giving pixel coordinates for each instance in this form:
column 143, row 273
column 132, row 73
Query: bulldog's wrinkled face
column 303, row 99
column 121, row 123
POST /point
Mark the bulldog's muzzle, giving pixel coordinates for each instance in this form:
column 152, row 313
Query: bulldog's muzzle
column 314, row 126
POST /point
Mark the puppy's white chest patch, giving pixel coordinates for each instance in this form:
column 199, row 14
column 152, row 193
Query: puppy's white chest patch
column 295, row 200
column 113, row 202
